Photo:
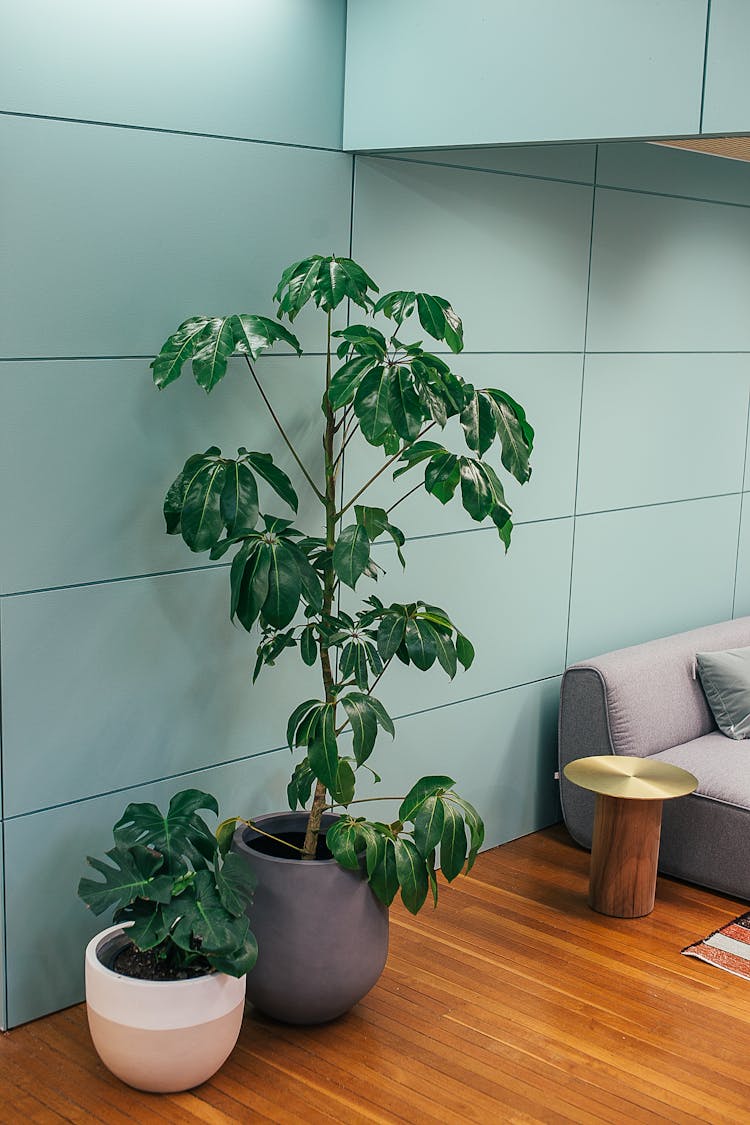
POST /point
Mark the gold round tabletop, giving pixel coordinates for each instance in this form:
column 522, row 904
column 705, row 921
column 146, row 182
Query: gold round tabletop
column 638, row 779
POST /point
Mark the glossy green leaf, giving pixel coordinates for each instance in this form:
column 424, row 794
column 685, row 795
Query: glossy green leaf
column 478, row 422
column 296, row 717
column 476, row 491
column 180, row 486
column 148, row 925
column 397, row 305
column 371, row 405
column 323, row 751
column 391, row 632
column 342, row 791
column 347, row 378
column 382, row 715
column 343, row 841
column 404, row 408
column 308, row 645
column 446, row 651
column 254, row 334
column 428, row 825
column 442, row 476
column 278, row 480
column 180, row 347
column 475, row 824
column 384, row 876
column 179, row 833
column 452, row 843
column 239, row 499
column 516, row 449
column 132, row 873
column 240, row 961
column 237, row 573
column 211, row 358
column 420, row 643
column 415, row 454
column 464, row 651
column 440, row 320
column 420, row 791
column 300, row 786
column 351, row 554
column 284, row 586
column 412, row 875
column 364, row 724
column 200, row 522
column 201, row 917
column 253, row 589
column 235, row 882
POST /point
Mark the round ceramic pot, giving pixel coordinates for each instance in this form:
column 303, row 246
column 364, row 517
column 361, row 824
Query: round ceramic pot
column 162, row 1036
column 322, row 934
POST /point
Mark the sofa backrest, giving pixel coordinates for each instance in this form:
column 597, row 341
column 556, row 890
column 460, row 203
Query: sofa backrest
column 653, row 701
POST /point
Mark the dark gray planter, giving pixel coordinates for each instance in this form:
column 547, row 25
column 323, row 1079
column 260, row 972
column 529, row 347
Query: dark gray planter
column 322, row 934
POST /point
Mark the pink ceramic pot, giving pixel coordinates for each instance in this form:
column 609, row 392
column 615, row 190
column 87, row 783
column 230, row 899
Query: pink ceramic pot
column 161, row 1036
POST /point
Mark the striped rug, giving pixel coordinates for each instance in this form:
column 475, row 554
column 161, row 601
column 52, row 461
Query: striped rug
column 729, row 947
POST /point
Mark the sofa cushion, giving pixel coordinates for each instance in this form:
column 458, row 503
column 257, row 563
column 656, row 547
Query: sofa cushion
column 721, row 765
column 726, row 681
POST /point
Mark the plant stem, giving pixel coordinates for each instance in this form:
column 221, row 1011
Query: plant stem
column 282, row 431
column 382, row 469
column 251, row 824
column 364, row 800
column 329, row 585
column 404, row 497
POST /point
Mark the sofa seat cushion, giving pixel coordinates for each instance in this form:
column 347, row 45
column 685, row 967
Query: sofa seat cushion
column 721, row 764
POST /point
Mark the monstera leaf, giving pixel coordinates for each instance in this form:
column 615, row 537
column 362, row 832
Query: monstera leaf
column 133, row 873
column 180, row 834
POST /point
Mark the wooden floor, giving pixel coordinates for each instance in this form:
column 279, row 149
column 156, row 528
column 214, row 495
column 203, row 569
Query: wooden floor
column 512, row 1003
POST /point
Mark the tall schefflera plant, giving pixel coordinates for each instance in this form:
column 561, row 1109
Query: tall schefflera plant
column 285, row 580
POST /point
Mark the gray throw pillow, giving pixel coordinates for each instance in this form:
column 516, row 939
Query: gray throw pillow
column 725, row 677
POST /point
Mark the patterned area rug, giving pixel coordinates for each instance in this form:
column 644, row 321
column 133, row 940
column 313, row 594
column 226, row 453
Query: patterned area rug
column 729, row 947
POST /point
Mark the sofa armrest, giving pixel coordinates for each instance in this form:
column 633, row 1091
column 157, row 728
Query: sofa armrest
column 583, row 731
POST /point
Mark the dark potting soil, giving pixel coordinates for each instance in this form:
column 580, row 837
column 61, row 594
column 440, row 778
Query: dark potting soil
column 266, row 846
column 132, row 962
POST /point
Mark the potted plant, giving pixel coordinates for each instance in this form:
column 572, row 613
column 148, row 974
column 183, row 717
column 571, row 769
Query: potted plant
column 320, row 909
column 165, row 985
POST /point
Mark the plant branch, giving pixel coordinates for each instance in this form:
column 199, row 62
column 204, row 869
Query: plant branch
column 382, row 469
column 282, row 431
column 364, row 800
column 404, row 497
column 268, row 835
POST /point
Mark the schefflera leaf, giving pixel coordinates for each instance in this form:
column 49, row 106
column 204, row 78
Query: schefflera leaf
column 211, row 341
column 214, row 494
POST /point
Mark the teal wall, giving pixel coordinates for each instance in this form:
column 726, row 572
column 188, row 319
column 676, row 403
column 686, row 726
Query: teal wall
column 604, row 286
column 158, row 161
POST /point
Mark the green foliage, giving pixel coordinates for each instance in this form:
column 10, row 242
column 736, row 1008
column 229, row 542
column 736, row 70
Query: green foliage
column 169, row 876
column 289, row 583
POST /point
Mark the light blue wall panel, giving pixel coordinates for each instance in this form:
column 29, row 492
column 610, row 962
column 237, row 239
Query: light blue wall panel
column 121, row 683
column 512, row 607
column 668, row 275
column 427, row 74
column 556, row 162
column 742, row 591
column 549, row 388
column 726, row 108
column 101, row 508
column 111, row 237
column 48, row 926
column 263, row 69
column 642, row 166
column 661, row 427
column 501, row 751
column 648, row 572
column 510, row 254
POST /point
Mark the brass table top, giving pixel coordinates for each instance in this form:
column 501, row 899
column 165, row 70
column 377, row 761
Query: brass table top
column 638, row 779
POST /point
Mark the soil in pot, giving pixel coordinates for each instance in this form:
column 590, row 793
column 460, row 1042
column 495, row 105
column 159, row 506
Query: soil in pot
column 147, row 965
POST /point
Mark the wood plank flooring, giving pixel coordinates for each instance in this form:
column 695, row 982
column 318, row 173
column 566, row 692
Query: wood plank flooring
column 513, row 1002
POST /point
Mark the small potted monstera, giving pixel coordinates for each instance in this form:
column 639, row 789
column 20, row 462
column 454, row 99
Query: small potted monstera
column 165, row 985
column 326, row 873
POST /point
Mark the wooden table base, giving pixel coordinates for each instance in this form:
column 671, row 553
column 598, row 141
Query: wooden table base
column 624, row 856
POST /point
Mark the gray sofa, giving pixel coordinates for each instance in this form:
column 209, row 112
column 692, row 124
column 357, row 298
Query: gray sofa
column 645, row 700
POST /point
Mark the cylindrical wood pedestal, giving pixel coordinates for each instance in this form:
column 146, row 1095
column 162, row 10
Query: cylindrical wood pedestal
column 624, row 856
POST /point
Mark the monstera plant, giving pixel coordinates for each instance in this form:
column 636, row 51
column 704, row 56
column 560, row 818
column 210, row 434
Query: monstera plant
column 286, row 580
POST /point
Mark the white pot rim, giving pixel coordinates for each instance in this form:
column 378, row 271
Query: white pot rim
column 93, row 960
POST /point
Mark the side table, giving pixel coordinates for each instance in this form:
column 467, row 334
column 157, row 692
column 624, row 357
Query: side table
column 630, row 793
